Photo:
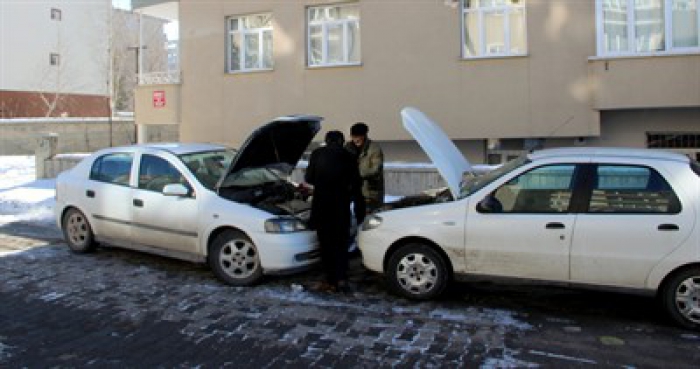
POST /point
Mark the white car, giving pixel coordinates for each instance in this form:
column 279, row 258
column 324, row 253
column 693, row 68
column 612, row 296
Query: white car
column 236, row 211
column 612, row 217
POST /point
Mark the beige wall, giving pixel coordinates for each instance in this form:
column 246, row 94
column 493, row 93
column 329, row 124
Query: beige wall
column 670, row 81
column 147, row 113
column 411, row 57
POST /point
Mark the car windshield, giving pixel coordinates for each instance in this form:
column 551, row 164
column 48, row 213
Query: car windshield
column 472, row 183
column 208, row 166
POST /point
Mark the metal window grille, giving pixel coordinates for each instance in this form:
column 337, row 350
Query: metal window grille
column 673, row 140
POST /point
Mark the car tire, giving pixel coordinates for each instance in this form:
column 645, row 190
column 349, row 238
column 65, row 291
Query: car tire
column 235, row 259
column 681, row 298
column 417, row 271
column 77, row 231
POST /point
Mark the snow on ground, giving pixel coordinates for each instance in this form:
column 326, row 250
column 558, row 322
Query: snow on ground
column 22, row 198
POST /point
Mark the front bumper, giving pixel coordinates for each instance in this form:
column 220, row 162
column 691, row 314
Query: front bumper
column 286, row 253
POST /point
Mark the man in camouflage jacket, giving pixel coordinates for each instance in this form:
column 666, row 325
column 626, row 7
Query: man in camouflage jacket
column 370, row 159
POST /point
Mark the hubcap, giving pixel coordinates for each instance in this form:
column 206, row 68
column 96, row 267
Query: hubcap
column 417, row 273
column 688, row 299
column 238, row 258
column 77, row 229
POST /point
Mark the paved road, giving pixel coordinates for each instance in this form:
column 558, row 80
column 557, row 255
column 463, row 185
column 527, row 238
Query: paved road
column 117, row 308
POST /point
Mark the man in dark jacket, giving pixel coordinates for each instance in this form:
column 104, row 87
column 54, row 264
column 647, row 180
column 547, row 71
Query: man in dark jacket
column 370, row 160
column 333, row 172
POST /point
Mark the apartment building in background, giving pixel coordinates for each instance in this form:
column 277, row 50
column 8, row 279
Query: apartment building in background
column 500, row 76
column 54, row 58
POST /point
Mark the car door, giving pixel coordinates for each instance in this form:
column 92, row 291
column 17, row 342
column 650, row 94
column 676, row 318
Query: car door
column 633, row 219
column 107, row 196
column 524, row 226
column 166, row 222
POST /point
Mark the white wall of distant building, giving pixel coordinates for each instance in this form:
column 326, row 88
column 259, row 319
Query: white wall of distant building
column 28, row 36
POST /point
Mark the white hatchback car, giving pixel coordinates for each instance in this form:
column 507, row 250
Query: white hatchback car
column 595, row 216
column 237, row 211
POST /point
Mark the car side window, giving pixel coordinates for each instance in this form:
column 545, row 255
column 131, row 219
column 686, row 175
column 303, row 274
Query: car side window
column 155, row 173
column 112, row 168
column 631, row 189
column 546, row 189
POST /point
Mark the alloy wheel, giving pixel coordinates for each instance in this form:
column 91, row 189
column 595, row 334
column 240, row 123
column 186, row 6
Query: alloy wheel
column 687, row 298
column 239, row 258
column 417, row 273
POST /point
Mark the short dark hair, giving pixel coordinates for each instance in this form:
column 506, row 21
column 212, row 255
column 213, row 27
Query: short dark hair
column 359, row 129
column 335, row 137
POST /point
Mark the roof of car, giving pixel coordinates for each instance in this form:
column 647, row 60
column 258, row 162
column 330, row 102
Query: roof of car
column 616, row 152
column 178, row 148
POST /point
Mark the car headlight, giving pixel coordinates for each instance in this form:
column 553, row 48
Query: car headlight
column 284, row 225
column 372, row 222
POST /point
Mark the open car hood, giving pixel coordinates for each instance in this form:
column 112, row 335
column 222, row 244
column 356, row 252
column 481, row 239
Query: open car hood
column 282, row 141
column 448, row 160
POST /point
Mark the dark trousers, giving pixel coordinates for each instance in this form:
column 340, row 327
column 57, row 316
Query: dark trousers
column 334, row 252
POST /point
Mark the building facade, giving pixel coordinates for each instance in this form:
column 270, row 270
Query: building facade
column 500, row 76
column 54, row 58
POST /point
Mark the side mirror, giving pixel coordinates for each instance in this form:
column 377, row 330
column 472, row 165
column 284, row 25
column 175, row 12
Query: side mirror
column 489, row 205
column 176, row 189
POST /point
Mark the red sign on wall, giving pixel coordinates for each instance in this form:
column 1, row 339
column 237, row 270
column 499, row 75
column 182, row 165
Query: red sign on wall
column 158, row 99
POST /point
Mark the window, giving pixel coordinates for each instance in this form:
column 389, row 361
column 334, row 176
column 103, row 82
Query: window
column 54, row 59
column 673, row 140
column 631, row 189
column 112, row 168
column 56, row 14
column 334, row 35
column 155, row 173
column 249, row 43
column 542, row 190
column 629, row 27
column 493, row 28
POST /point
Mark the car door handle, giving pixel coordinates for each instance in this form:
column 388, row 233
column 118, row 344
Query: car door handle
column 90, row 193
column 138, row 203
column 555, row 225
column 669, row 227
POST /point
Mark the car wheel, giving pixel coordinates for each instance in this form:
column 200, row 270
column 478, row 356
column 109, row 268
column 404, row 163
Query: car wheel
column 681, row 298
column 235, row 259
column 418, row 272
column 78, row 232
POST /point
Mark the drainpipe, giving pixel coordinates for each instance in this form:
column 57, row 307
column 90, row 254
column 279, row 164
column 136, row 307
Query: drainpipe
column 141, row 129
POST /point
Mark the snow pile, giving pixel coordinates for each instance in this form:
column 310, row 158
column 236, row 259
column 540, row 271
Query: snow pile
column 22, row 198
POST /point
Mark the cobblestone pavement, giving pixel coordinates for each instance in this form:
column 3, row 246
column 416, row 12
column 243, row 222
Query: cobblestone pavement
column 117, row 308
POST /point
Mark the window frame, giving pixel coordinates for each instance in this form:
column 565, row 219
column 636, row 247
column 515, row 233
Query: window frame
column 170, row 164
column 506, row 27
column 56, row 14
column 325, row 25
column 261, row 45
column 577, row 189
column 669, row 49
column 101, row 158
column 54, row 57
column 591, row 172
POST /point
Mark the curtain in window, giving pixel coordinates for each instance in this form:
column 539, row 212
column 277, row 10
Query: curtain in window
column 615, row 26
column 649, row 25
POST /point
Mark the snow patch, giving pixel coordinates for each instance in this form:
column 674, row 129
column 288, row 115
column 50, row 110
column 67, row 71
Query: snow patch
column 22, row 198
column 476, row 316
column 4, row 350
column 53, row 296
